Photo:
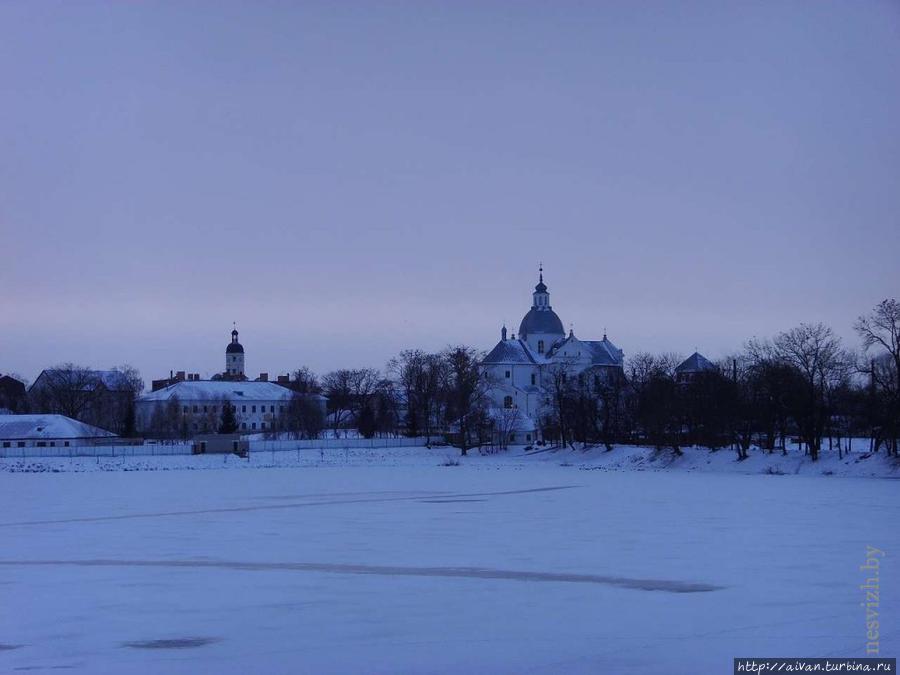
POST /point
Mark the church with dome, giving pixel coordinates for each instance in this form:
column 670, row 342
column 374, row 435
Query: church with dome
column 521, row 368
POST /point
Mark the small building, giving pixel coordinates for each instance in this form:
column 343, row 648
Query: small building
column 218, row 444
column 696, row 363
column 12, row 395
column 48, row 431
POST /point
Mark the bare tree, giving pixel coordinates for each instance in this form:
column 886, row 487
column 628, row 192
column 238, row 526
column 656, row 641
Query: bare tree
column 655, row 401
column 338, row 387
column 115, row 403
column 606, row 387
column 350, row 392
column 880, row 332
column 303, row 417
column 165, row 420
column 466, row 394
column 305, row 381
column 506, row 422
column 559, row 407
column 66, row 389
column 816, row 353
column 418, row 376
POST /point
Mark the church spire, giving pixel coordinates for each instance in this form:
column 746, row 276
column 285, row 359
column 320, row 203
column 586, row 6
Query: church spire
column 541, row 295
column 541, row 286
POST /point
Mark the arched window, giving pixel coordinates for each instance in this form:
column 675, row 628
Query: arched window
column 507, row 402
column 540, row 346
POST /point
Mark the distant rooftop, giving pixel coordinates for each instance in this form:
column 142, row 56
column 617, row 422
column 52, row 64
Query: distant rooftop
column 695, row 363
column 217, row 389
column 22, row 427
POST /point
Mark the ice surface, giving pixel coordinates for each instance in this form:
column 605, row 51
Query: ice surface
column 386, row 562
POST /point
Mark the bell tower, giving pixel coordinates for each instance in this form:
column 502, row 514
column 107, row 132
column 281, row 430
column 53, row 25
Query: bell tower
column 234, row 358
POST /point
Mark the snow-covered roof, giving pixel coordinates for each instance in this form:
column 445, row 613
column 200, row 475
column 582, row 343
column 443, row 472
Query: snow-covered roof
column 111, row 379
column 510, row 351
column 22, row 427
column 695, row 363
column 604, row 353
column 200, row 390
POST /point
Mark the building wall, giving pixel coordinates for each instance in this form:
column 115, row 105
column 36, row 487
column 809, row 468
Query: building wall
column 7, row 443
column 534, row 340
column 204, row 415
column 234, row 363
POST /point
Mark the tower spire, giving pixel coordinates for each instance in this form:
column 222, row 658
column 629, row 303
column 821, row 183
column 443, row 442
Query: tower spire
column 541, row 289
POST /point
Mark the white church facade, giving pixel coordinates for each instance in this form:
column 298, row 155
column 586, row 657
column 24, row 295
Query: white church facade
column 521, row 369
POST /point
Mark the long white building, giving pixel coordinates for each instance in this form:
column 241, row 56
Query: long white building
column 256, row 405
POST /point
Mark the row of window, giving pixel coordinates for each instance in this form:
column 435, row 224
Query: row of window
column 204, row 426
column 262, row 408
column 562, row 375
column 533, row 377
column 40, row 444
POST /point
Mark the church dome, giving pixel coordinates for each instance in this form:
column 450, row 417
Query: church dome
column 540, row 321
column 234, row 347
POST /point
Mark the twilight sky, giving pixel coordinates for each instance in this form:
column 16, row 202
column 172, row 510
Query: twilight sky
column 346, row 180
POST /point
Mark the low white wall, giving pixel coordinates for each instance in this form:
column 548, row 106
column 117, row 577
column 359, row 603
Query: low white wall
column 185, row 448
column 338, row 443
column 99, row 451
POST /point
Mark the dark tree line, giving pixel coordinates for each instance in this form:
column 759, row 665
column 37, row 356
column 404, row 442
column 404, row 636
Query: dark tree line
column 441, row 395
column 801, row 385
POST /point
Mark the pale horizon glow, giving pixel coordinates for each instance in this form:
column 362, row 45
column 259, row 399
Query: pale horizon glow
column 345, row 181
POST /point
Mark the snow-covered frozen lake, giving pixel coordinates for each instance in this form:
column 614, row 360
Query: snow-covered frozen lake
column 412, row 567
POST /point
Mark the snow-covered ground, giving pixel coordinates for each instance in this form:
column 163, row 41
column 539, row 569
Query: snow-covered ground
column 621, row 458
column 386, row 561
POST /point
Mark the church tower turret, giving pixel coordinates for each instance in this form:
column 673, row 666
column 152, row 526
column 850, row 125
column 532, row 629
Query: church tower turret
column 234, row 358
column 541, row 296
column 541, row 327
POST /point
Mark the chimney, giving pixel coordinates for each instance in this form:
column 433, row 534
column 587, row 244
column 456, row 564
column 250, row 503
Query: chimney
column 284, row 379
column 179, row 376
column 263, row 377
